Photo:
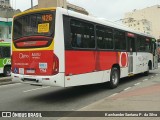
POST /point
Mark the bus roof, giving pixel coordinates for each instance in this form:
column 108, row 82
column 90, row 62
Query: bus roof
column 86, row 17
column 34, row 10
column 101, row 21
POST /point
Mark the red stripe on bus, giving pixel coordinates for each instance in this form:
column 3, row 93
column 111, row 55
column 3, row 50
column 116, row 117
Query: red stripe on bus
column 80, row 62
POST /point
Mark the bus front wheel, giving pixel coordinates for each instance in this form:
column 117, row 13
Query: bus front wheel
column 114, row 78
column 147, row 72
column 7, row 71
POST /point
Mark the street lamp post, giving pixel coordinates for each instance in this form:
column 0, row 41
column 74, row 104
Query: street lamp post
column 31, row 4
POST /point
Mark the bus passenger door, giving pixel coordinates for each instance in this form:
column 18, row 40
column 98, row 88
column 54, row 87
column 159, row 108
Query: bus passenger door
column 131, row 49
column 155, row 54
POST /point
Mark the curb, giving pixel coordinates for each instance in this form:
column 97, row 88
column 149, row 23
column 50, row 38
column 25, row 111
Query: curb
column 5, row 80
column 6, row 83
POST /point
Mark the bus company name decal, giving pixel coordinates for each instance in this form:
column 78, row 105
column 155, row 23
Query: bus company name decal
column 23, row 56
column 6, row 61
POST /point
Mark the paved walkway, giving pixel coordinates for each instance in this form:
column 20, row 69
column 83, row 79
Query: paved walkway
column 144, row 96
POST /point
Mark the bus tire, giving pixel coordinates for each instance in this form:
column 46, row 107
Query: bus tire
column 147, row 72
column 7, row 71
column 114, row 78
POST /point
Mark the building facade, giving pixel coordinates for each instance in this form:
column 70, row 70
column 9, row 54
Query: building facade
column 61, row 3
column 52, row 3
column 142, row 25
column 5, row 23
column 6, row 11
column 146, row 20
column 5, row 3
column 6, row 14
column 5, row 29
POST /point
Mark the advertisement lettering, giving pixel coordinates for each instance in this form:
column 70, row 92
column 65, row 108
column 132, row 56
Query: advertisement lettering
column 23, row 56
column 6, row 61
column 36, row 54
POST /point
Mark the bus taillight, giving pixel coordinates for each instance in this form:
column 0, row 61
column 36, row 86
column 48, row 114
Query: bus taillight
column 55, row 65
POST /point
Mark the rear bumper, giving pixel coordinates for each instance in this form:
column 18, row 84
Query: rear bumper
column 55, row 80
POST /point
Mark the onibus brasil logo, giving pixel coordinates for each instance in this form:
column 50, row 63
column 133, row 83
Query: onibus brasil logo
column 6, row 61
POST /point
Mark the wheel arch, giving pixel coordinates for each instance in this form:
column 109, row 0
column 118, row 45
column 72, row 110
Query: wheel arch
column 118, row 67
column 150, row 65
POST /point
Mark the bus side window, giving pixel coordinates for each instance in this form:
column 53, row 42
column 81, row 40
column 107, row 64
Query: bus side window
column 141, row 41
column 100, row 36
column 104, row 37
column 120, row 40
column 78, row 40
column 82, row 34
column 108, row 38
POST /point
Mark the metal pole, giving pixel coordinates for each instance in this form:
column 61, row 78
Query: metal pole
column 31, row 4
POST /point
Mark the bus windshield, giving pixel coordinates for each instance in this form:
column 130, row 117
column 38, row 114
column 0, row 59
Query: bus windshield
column 34, row 24
column 5, row 52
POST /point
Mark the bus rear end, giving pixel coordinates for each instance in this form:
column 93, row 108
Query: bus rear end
column 34, row 60
column 5, row 60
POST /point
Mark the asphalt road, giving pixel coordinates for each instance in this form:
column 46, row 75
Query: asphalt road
column 22, row 97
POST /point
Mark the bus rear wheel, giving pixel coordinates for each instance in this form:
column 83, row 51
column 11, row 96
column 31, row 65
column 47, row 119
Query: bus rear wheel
column 114, row 78
column 7, row 71
column 147, row 72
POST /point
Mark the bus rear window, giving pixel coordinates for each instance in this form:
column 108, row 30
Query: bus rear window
column 34, row 24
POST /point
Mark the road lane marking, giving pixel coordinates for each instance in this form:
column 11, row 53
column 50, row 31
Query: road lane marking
column 10, row 85
column 36, row 89
column 145, row 80
column 127, row 88
column 152, row 76
column 137, row 84
column 113, row 95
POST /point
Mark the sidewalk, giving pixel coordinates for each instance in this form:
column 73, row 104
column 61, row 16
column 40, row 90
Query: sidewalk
column 144, row 96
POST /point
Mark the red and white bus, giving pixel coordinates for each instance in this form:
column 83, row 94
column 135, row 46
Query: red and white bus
column 59, row 47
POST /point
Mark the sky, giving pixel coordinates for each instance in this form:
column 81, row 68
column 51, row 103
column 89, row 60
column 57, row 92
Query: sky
column 113, row 10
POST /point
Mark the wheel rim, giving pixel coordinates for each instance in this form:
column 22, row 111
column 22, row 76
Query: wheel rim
column 8, row 73
column 115, row 78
